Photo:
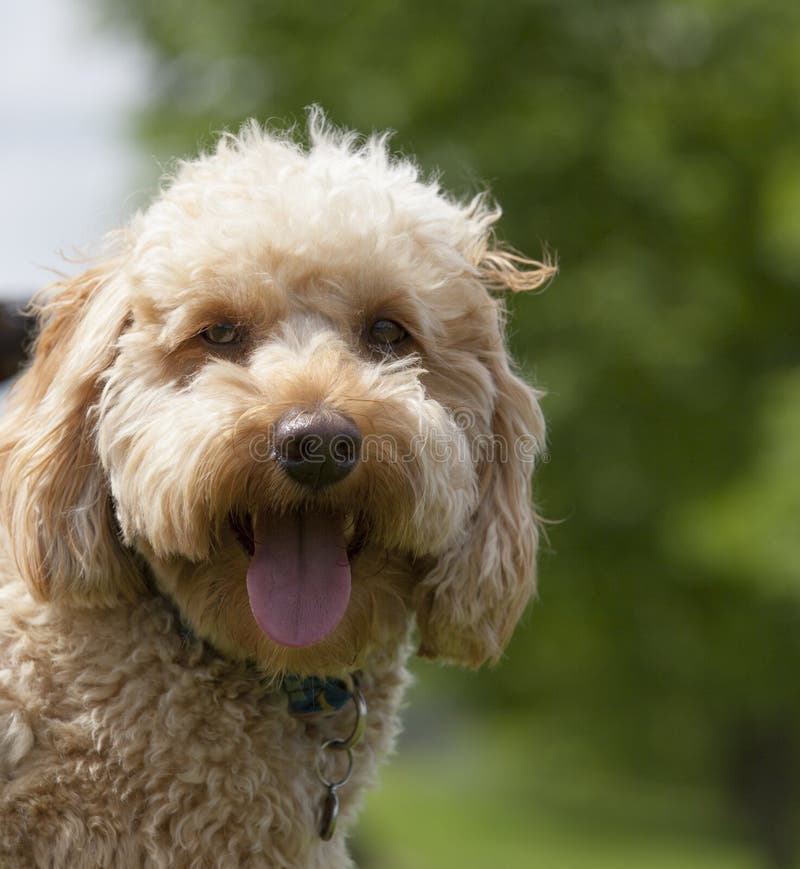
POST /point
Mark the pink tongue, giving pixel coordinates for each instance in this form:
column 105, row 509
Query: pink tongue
column 299, row 577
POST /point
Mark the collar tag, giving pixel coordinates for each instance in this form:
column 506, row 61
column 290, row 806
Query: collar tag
column 313, row 696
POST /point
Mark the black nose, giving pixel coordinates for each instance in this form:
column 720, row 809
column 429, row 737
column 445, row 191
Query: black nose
column 316, row 448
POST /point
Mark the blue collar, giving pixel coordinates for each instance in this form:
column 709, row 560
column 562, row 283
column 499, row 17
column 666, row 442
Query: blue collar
column 313, row 695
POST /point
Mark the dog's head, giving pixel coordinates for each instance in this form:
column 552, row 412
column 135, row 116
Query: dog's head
column 287, row 401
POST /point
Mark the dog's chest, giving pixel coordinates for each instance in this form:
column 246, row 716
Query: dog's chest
column 153, row 754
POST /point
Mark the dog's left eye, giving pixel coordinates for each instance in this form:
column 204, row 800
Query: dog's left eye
column 222, row 334
column 384, row 334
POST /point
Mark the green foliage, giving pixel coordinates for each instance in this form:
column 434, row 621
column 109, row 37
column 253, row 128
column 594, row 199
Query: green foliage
column 749, row 528
column 654, row 146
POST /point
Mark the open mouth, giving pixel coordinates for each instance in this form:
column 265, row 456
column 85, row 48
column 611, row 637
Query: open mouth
column 299, row 576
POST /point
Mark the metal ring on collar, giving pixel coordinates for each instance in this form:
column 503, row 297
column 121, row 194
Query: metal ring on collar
column 354, row 738
column 333, row 784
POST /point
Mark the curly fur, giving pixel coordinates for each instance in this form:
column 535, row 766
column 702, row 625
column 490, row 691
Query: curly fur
column 140, row 723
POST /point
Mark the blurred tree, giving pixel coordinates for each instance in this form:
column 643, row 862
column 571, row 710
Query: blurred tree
column 654, row 144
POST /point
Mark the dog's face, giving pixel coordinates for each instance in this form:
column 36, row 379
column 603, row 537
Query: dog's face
column 287, row 400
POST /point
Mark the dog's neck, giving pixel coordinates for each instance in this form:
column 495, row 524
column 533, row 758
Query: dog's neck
column 309, row 695
column 313, row 699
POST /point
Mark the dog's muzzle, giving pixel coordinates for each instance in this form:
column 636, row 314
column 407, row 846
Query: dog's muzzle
column 316, row 448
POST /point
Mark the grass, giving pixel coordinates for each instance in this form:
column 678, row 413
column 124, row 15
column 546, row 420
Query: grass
column 498, row 796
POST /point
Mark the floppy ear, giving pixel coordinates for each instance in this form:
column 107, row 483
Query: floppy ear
column 62, row 528
column 469, row 603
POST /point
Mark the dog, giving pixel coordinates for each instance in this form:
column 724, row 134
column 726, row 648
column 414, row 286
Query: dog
column 267, row 447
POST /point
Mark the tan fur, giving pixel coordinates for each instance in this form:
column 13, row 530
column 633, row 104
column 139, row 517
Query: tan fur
column 141, row 723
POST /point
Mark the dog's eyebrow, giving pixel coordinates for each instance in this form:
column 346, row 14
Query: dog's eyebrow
column 258, row 311
column 398, row 306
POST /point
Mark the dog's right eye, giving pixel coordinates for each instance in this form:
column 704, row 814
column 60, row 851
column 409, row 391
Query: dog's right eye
column 222, row 334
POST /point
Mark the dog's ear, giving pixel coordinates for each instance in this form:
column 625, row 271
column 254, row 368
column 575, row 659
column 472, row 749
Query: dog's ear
column 469, row 603
column 63, row 533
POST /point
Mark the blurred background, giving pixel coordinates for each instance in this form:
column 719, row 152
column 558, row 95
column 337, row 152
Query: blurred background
column 648, row 710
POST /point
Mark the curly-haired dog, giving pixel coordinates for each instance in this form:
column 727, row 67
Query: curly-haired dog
column 277, row 425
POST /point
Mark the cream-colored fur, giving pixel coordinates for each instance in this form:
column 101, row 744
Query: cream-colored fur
column 141, row 718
